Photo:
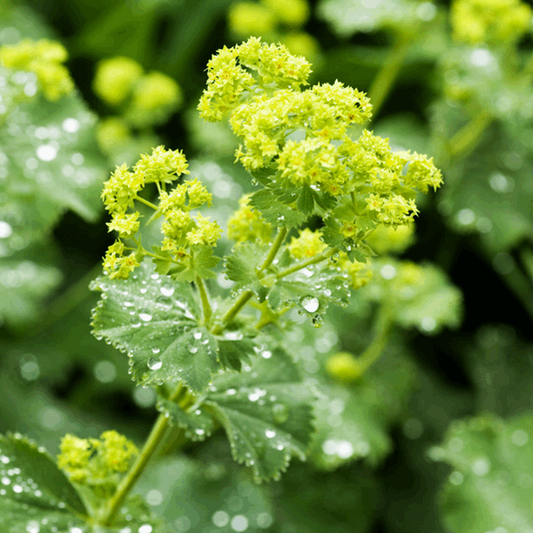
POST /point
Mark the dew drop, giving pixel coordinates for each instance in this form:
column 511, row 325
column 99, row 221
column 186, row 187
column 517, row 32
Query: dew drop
column 270, row 434
column 167, row 290
column 197, row 335
column 317, row 321
column 155, row 351
column 145, row 316
column 193, row 349
column 310, row 304
column 231, row 392
column 154, row 363
column 267, row 354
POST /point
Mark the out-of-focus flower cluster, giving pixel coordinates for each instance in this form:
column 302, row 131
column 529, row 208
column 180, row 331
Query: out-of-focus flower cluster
column 490, row 21
column 45, row 59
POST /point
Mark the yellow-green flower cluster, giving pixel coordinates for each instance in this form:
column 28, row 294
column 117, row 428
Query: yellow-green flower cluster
column 391, row 239
column 490, row 21
column 303, row 139
column 235, row 73
column 247, row 225
column 97, row 463
column 181, row 229
column 148, row 98
column 45, row 59
column 120, row 193
column 307, row 244
column 359, row 273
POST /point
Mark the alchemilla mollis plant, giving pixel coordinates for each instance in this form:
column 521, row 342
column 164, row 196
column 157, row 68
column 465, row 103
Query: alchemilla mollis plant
column 329, row 197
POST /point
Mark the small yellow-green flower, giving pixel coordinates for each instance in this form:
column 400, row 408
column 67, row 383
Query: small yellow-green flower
column 307, row 244
column 97, row 463
column 247, row 224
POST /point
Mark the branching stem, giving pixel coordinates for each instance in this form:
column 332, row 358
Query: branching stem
column 208, row 312
column 388, row 73
column 466, row 139
column 232, row 312
column 156, row 436
column 382, row 330
column 146, row 202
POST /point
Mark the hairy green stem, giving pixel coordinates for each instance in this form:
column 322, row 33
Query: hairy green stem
column 146, row 202
column 381, row 335
column 304, row 264
column 388, row 73
column 276, row 245
column 208, row 312
column 156, row 436
column 467, row 138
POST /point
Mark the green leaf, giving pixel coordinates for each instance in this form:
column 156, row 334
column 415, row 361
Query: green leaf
column 347, row 17
column 208, row 494
column 344, row 502
column 136, row 515
column 203, row 262
column 235, row 350
column 266, row 412
column 500, row 366
column 274, row 211
column 153, row 319
column 306, row 200
column 418, row 295
column 198, row 424
column 163, row 262
column 241, row 266
column 311, row 290
column 490, row 487
column 66, row 167
column 33, row 488
column 25, row 284
column 353, row 421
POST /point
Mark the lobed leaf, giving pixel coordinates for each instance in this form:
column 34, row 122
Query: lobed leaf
column 489, row 488
column 353, row 420
column 154, row 319
column 266, row 412
column 33, row 489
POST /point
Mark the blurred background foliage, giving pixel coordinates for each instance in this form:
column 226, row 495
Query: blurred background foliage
column 435, row 436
